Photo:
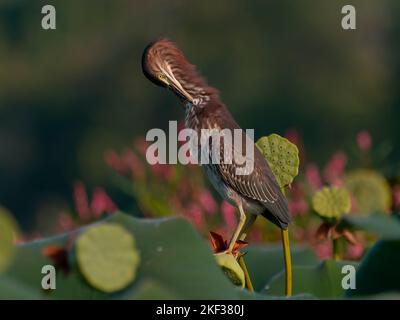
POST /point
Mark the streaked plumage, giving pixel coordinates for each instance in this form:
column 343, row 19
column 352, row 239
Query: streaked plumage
column 258, row 193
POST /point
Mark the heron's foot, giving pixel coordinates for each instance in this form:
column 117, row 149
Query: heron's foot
column 234, row 248
column 231, row 248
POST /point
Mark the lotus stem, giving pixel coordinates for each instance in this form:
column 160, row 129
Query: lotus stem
column 288, row 262
column 248, row 283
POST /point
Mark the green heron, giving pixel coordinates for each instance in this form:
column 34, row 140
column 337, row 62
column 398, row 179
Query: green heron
column 255, row 193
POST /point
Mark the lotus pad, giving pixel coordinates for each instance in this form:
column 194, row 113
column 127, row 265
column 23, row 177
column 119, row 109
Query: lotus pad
column 282, row 157
column 107, row 257
column 231, row 268
column 332, row 202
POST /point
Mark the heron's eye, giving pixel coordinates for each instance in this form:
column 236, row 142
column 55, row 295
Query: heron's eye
column 162, row 77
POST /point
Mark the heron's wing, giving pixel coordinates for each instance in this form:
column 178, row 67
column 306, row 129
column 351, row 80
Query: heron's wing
column 258, row 184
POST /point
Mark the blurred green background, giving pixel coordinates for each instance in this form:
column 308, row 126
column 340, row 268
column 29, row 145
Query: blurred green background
column 69, row 94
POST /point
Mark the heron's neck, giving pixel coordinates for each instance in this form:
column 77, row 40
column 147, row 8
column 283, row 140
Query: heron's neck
column 197, row 87
column 201, row 96
column 198, row 116
column 191, row 115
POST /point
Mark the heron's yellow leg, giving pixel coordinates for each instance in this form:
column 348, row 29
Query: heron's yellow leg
column 245, row 230
column 238, row 230
column 244, row 224
column 288, row 262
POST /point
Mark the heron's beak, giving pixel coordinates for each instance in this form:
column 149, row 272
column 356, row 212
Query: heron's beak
column 174, row 84
column 177, row 88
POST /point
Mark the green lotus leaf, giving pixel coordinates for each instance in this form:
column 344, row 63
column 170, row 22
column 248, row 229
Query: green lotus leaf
column 379, row 270
column 282, row 157
column 323, row 280
column 163, row 260
column 107, row 257
column 370, row 190
column 331, row 202
column 385, row 226
column 263, row 262
column 8, row 230
column 231, row 268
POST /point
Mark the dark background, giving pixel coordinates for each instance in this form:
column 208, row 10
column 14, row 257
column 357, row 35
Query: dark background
column 69, row 94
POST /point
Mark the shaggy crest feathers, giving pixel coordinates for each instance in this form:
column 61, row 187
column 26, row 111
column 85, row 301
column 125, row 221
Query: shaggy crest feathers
column 165, row 53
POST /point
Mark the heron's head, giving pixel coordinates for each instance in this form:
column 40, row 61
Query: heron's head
column 165, row 65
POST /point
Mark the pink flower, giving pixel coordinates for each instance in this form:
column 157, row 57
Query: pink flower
column 229, row 214
column 207, row 202
column 313, row 176
column 133, row 163
column 324, row 250
column 364, row 140
column 334, row 170
column 114, row 161
column 297, row 203
column 101, row 203
column 141, row 145
column 184, row 189
column 195, row 215
column 256, row 235
column 162, row 171
column 81, row 201
column 355, row 251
